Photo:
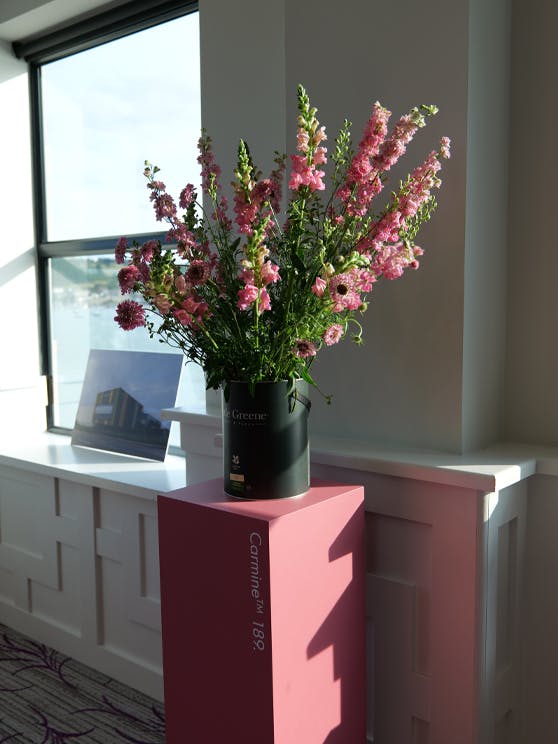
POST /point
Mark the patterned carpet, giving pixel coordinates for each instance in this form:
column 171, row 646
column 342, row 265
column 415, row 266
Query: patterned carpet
column 48, row 698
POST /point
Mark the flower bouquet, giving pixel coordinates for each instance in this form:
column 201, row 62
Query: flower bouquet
column 256, row 297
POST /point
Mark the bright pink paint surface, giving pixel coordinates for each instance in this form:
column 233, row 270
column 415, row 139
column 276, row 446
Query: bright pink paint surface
column 263, row 616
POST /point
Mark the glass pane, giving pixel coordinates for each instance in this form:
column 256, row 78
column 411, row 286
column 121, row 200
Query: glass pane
column 83, row 296
column 107, row 110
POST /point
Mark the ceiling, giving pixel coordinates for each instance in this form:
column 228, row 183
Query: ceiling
column 25, row 19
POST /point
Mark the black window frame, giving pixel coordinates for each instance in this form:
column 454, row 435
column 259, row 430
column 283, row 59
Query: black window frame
column 83, row 34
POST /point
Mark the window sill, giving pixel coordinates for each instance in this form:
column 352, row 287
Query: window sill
column 53, row 455
column 489, row 470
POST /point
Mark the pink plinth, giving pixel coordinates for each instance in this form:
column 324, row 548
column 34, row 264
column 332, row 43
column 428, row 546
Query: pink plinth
column 263, row 616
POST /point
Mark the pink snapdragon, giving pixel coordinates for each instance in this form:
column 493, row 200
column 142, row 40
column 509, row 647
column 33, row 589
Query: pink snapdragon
column 269, row 272
column 246, row 296
column 162, row 303
column 264, row 302
column 191, row 312
column 129, row 315
column 319, row 286
column 312, row 154
column 305, row 174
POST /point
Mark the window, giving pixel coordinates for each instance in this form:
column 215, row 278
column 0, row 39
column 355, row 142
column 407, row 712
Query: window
column 106, row 96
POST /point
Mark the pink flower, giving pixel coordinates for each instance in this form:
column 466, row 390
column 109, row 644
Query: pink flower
column 247, row 296
column 247, row 276
column 183, row 317
column 187, row 196
column 445, row 147
column 148, row 249
column 129, row 315
column 220, row 213
column 210, row 171
column 304, row 174
column 127, row 278
column 264, row 302
column 333, row 334
column 120, row 250
column 198, row 272
column 163, row 204
column 392, row 260
column 302, row 139
column 305, row 349
column 269, row 272
column 319, row 156
column 180, row 284
column 364, row 280
column 319, row 286
column 162, row 303
column 343, row 293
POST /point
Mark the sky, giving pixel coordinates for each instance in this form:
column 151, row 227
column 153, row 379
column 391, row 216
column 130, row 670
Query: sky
column 106, row 111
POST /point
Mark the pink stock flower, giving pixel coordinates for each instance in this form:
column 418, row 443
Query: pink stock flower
column 187, row 196
column 127, row 278
column 246, row 296
column 210, row 171
column 363, row 183
column 333, row 334
column 392, row 260
column 120, row 250
column 148, row 249
column 129, row 315
column 364, row 280
column 305, row 349
column 164, row 206
column 396, row 144
column 445, row 147
column 220, row 213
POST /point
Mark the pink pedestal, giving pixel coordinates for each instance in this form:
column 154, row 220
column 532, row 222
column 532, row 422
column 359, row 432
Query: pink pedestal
column 263, row 617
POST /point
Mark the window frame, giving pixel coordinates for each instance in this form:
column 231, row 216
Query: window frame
column 86, row 33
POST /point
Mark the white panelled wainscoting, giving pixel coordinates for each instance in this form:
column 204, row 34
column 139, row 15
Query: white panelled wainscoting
column 456, row 646
column 79, row 555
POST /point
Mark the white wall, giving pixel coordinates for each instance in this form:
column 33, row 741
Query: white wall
column 530, row 411
column 430, row 372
